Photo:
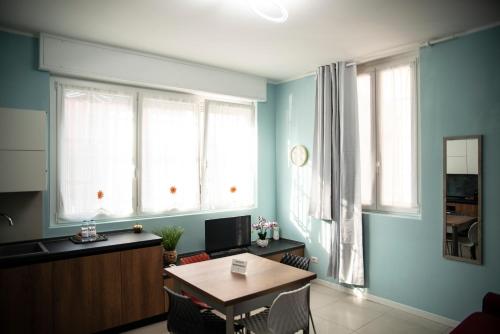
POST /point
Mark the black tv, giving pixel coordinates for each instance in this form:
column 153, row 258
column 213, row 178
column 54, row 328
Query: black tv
column 462, row 186
column 227, row 233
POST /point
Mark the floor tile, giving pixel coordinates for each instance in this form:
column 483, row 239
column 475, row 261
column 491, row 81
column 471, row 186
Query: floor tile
column 157, row 328
column 328, row 327
column 347, row 314
column 319, row 299
column 386, row 324
column 419, row 321
column 365, row 303
column 337, row 312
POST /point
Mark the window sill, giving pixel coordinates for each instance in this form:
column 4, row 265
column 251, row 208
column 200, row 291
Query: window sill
column 61, row 223
column 403, row 215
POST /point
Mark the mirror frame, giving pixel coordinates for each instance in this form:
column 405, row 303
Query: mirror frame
column 479, row 254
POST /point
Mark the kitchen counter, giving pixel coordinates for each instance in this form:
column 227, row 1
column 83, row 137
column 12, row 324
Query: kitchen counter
column 63, row 248
column 275, row 247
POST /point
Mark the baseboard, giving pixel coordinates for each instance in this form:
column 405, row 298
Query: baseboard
column 412, row 310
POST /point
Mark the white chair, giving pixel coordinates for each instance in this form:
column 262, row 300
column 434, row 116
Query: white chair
column 471, row 241
column 289, row 313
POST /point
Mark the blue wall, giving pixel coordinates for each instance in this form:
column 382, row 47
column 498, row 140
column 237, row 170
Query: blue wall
column 23, row 86
column 460, row 95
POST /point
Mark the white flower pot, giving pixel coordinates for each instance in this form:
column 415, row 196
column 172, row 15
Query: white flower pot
column 262, row 242
column 276, row 233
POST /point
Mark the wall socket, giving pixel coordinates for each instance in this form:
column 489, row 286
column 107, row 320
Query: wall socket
column 314, row 259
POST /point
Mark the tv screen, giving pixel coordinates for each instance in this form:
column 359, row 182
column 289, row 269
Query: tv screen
column 227, row 233
column 461, row 185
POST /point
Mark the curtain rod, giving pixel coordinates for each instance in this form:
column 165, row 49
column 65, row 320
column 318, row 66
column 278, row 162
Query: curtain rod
column 428, row 43
column 392, row 52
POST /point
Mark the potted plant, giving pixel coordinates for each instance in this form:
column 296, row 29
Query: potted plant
column 170, row 237
column 261, row 227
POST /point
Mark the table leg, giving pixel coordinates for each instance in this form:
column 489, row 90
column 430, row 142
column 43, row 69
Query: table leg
column 177, row 286
column 454, row 250
column 229, row 320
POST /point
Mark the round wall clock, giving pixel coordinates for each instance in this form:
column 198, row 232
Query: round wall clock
column 299, row 155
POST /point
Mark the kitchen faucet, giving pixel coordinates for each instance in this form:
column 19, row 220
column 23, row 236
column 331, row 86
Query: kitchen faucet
column 6, row 216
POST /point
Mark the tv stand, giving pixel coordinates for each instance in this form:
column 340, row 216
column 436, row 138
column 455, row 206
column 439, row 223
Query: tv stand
column 229, row 252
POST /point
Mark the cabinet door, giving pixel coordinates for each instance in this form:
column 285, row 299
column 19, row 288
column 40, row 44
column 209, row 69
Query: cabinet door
column 25, row 299
column 22, row 171
column 142, row 283
column 87, row 293
column 22, row 129
column 472, row 156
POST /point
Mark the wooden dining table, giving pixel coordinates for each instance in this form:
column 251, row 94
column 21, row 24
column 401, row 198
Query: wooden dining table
column 235, row 294
column 457, row 222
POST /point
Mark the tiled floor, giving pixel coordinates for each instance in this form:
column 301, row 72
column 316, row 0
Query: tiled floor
column 335, row 312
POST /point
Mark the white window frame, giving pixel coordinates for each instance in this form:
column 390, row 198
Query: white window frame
column 55, row 107
column 372, row 68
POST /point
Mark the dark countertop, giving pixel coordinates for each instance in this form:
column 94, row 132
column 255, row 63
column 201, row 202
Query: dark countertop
column 275, row 246
column 63, row 248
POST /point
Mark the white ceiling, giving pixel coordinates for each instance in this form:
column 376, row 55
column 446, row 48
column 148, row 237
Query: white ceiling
column 228, row 34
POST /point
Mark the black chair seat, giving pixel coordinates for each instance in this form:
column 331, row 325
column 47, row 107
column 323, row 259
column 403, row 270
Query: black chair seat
column 185, row 318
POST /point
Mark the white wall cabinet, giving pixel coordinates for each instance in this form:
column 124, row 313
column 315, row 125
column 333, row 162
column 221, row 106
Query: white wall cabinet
column 462, row 156
column 23, row 156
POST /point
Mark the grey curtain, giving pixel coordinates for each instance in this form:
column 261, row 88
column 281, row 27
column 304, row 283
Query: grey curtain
column 335, row 187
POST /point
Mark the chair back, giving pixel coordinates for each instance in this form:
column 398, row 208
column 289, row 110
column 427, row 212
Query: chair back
column 183, row 316
column 296, row 261
column 194, row 258
column 472, row 234
column 289, row 312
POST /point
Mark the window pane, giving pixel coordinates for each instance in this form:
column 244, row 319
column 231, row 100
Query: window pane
column 365, row 138
column 170, row 178
column 396, row 137
column 96, row 140
column 230, row 156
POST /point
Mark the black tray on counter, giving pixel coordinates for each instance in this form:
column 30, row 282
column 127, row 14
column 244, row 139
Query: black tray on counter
column 100, row 237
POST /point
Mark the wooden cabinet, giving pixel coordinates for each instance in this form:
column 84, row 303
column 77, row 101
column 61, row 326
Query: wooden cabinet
column 462, row 156
column 26, row 299
column 22, row 150
column 462, row 208
column 142, row 283
column 278, row 256
column 87, row 293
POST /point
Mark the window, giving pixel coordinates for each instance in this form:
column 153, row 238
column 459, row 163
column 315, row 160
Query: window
column 124, row 152
column 229, row 156
column 388, row 123
column 170, row 166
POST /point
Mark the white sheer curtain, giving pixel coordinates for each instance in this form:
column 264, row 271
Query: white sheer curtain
column 396, row 136
column 367, row 146
column 96, row 153
column 230, row 156
column 170, row 168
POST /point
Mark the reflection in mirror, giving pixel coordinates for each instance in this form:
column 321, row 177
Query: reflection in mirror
column 462, row 198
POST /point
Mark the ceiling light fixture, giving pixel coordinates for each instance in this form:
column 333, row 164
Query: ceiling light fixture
column 270, row 10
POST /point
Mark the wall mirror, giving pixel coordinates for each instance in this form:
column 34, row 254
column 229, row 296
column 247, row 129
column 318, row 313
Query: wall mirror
column 462, row 198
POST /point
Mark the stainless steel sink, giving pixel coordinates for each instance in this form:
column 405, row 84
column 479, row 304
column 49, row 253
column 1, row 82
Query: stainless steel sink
column 22, row 250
